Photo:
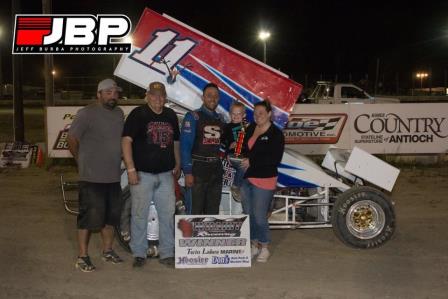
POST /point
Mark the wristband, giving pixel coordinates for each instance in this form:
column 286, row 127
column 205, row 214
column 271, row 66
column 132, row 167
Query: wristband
column 131, row 170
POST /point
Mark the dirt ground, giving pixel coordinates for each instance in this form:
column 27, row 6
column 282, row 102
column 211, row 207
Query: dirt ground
column 38, row 250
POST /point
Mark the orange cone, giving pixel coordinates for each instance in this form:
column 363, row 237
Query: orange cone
column 40, row 157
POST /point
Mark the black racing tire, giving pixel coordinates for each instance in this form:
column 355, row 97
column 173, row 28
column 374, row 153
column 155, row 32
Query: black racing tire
column 125, row 216
column 363, row 217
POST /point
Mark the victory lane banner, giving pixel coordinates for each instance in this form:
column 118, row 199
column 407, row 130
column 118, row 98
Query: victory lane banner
column 212, row 241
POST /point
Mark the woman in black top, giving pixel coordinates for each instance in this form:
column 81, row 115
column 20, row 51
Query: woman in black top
column 266, row 144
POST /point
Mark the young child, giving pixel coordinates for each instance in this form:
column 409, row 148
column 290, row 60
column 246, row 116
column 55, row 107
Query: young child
column 229, row 144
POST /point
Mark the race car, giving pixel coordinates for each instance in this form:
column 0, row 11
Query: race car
column 348, row 192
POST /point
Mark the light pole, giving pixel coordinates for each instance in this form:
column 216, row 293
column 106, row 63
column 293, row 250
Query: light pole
column 421, row 76
column 264, row 36
column 53, row 73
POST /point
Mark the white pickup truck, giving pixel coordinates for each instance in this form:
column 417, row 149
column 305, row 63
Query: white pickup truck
column 327, row 92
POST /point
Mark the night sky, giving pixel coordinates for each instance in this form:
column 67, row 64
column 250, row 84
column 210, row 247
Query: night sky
column 307, row 37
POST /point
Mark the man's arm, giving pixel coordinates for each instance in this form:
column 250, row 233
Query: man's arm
column 176, row 137
column 73, row 146
column 126, row 147
column 187, row 137
column 176, row 169
column 77, row 129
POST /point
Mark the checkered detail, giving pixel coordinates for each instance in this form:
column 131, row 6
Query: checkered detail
column 327, row 124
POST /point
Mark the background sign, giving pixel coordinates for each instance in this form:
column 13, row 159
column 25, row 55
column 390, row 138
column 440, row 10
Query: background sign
column 212, row 241
column 59, row 120
column 17, row 154
column 376, row 128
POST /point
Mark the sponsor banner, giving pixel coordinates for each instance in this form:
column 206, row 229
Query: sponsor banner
column 59, row 120
column 212, row 241
column 185, row 60
column 314, row 128
column 376, row 128
column 400, row 128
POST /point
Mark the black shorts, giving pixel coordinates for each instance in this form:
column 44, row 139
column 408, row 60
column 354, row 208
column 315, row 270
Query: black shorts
column 99, row 204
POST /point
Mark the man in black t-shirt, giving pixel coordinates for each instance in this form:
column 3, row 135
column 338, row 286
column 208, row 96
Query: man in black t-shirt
column 151, row 153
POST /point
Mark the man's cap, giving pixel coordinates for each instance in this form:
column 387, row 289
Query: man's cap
column 108, row 84
column 157, row 88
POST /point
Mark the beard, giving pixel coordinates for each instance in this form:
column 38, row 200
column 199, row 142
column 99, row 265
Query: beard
column 111, row 104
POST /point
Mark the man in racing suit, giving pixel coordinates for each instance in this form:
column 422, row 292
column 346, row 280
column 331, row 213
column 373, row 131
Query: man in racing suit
column 199, row 143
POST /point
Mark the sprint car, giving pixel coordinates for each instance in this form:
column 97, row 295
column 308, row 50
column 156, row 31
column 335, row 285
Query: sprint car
column 348, row 192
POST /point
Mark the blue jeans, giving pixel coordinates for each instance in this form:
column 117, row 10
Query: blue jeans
column 256, row 203
column 158, row 188
column 239, row 173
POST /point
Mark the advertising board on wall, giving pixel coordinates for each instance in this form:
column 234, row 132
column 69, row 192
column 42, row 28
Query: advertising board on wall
column 376, row 128
column 403, row 128
column 18, row 154
column 59, row 120
column 312, row 129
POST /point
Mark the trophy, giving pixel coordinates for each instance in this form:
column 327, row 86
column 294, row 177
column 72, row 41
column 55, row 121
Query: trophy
column 237, row 156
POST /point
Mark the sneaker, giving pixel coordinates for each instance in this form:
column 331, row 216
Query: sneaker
column 139, row 262
column 84, row 264
column 153, row 251
column 263, row 256
column 168, row 261
column 254, row 250
column 111, row 256
column 126, row 236
column 236, row 193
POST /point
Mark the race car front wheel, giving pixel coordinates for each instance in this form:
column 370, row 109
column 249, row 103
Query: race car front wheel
column 363, row 217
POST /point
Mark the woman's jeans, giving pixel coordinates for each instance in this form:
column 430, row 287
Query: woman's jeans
column 256, row 203
column 158, row 188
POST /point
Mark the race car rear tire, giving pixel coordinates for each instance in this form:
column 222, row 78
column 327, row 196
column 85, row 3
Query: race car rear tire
column 363, row 217
column 122, row 231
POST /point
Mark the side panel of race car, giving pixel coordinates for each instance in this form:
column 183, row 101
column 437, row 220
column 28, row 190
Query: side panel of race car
column 298, row 171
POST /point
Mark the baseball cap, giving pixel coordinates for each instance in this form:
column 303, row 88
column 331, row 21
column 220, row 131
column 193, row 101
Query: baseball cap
column 157, row 88
column 107, row 84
